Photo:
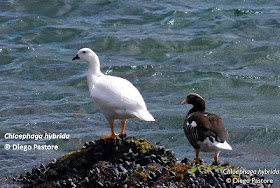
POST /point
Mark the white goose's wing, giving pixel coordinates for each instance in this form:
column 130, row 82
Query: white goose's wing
column 118, row 94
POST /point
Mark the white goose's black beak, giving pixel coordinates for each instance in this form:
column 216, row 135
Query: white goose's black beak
column 76, row 57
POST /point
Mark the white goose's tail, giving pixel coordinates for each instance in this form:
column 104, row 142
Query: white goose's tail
column 144, row 115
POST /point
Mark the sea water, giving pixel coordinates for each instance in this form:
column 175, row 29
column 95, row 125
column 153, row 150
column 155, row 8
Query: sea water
column 227, row 51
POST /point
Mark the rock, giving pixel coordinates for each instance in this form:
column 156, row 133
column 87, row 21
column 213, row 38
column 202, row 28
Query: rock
column 126, row 162
column 216, row 163
column 52, row 173
column 185, row 160
column 100, row 184
column 97, row 170
column 153, row 175
column 122, row 169
column 172, row 173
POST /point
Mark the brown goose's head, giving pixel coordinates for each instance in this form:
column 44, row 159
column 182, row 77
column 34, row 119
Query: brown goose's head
column 197, row 101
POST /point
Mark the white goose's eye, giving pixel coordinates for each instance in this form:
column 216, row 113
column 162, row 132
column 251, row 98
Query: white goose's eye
column 84, row 52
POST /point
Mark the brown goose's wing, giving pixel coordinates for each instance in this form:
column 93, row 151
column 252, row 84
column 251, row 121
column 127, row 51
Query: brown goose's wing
column 206, row 125
column 217, row 127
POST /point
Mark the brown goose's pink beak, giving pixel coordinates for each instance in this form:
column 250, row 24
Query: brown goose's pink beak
column 184, row 101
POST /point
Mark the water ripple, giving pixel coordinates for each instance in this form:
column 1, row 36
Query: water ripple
column 226, row 51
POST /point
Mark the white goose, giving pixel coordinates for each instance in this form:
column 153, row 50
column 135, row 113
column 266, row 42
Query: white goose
column 115, row 97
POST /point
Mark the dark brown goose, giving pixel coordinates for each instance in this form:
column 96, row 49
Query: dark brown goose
column 205, row 131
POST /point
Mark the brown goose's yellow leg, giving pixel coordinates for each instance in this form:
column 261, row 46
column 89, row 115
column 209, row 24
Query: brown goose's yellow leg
column 123, row 122
column 112, row 135
column 196, row 158
column 216, row 158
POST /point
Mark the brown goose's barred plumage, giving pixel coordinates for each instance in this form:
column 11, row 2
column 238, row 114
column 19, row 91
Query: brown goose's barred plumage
column 205, row 131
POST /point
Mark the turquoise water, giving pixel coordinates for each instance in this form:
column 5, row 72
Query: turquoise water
column 228, row 52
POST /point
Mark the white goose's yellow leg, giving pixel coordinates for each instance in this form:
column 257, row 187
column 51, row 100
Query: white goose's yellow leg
column 112, row 135
column 123, row 122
